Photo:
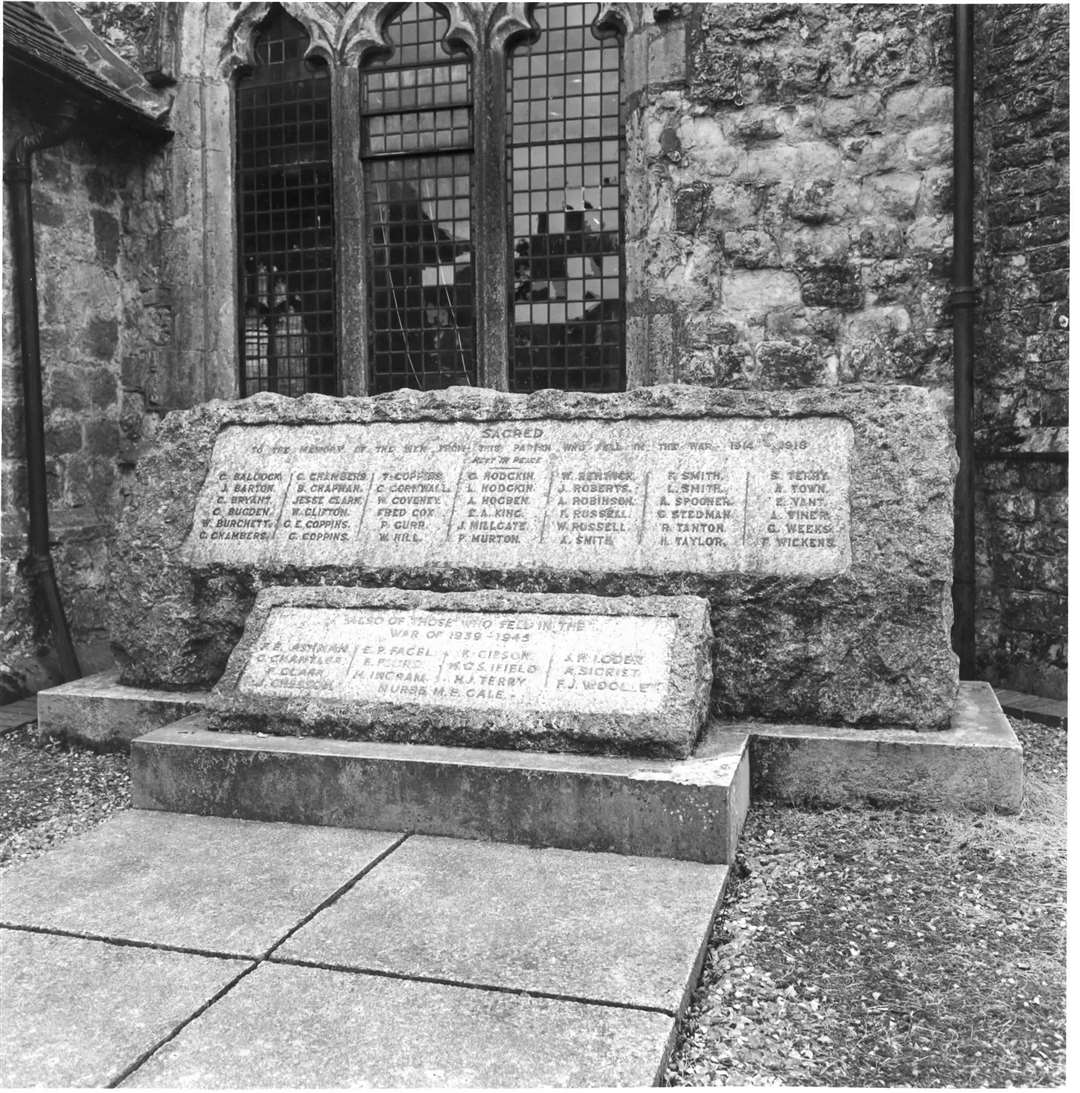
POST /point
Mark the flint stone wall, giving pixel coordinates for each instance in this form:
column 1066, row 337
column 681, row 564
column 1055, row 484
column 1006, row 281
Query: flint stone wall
column 865, row 645
column 619, row 675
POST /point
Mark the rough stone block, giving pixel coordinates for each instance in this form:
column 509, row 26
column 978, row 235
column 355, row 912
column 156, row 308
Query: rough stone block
column 479, row 669
column 817, row 523
column 750, row 294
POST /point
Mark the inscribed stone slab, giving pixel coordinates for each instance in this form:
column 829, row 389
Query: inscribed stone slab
column 575, row 672
column 843, row 627
column 721, row 495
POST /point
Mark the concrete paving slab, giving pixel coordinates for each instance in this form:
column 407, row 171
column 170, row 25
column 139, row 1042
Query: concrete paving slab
column 80, row 1013
column 602, row 927
column 291, row 1027
column 196, row 882
column 100, row 711
column 691, row 809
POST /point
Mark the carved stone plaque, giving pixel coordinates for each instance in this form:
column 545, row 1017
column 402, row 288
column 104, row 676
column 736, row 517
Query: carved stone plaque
column 663, row 495
column 500, row 669
column 469, row 659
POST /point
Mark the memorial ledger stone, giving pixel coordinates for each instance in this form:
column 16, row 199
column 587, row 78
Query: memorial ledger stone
column 567, row 672
column 817, row 523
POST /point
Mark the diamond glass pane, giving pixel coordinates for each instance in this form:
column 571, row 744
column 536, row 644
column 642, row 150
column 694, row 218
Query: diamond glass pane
column 286, row 217
column 416, row 133
column 564, row 166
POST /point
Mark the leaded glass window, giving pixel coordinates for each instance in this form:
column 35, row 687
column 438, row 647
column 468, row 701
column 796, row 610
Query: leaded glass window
column 564, row 154
column 417, row 149
column 440, row 205
column 286, row 216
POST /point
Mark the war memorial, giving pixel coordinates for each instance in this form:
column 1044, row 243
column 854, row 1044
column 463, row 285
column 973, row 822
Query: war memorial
column 716, row 586
column 446, row 705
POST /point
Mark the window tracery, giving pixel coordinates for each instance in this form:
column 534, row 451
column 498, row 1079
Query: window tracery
column 453, row 241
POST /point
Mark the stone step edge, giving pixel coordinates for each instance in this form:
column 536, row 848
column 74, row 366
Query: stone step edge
column 101, row 712
column 691, row 809
column 974, row 765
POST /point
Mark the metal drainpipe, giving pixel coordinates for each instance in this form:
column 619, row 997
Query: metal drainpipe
column 963, row 301
column 18, row 177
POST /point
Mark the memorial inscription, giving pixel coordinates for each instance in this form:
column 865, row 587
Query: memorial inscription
column 733, row 494
column 493, row 669
column 472, row 660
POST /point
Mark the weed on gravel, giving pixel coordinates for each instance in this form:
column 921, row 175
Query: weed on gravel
column 871, row 947
column 49, row 791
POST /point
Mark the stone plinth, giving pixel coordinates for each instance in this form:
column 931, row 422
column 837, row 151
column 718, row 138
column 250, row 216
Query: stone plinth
column 817, row 522
column 481, row 669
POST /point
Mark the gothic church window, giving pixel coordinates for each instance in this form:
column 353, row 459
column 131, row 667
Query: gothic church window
column 284, row 167
column 564, row 165
column 417, row 146
column 477, row 243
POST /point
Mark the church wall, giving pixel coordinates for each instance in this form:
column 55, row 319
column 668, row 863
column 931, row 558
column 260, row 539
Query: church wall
column 1021, row 379
column 789, row 224
column 106, row 322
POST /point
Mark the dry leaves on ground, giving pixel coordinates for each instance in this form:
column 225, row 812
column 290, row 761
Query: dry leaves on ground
column 867, row 947
column 49, row 791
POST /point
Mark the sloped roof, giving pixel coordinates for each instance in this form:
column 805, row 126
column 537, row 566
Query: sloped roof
column 50, row 39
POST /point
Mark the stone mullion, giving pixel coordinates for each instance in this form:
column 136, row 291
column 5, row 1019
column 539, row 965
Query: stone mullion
column 350, row 232
column 489, row 219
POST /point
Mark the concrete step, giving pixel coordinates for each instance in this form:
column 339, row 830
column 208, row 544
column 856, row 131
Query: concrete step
column 690, row 810
column 106, row 714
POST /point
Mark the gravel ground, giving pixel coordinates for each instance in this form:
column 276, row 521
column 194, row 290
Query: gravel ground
column 49, row 791
column 870, row 947
column 855, row 947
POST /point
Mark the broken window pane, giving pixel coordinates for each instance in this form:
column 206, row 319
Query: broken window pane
column 564, row 185
column 416, row 130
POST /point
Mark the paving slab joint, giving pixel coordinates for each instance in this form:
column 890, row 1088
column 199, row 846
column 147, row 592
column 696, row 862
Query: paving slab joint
column 463, row 984
column 335, row 896
column 255, row 962
column 155, row 1048
column 128, row 942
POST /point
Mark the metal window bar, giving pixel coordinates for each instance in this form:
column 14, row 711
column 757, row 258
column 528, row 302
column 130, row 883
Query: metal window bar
column 564, row 166
column 416, row 144
column 286, row 217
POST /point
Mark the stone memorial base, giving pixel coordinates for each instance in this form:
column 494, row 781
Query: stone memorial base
column 105, row 714
column 688, row 809
column 976, row 764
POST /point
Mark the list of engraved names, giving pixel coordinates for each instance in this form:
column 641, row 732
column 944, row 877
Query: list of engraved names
column 467, row 659
column 709, row 495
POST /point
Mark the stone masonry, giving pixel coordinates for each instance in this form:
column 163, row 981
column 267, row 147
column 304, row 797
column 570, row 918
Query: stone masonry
column 105, row 321
column 789, row 225
column 801, row 184
column 1022, row 359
